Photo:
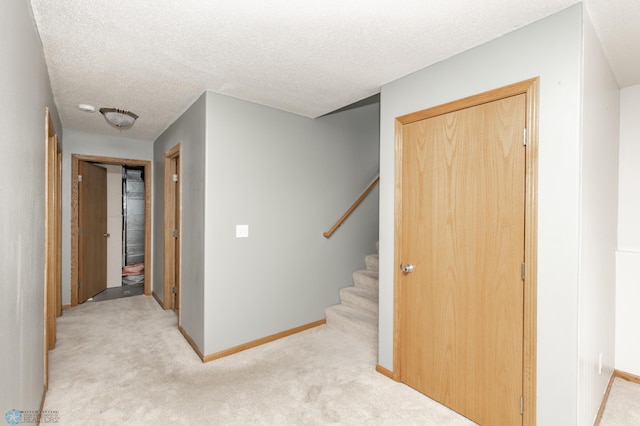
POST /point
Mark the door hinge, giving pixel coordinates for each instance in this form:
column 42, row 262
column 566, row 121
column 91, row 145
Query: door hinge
column 174, row 290
column 79, row 231
column 174, row 177
column 79, row 178
column 79, row 285
column 521, row 404
column 524, row 136
column 175, row 233
column 522, row 271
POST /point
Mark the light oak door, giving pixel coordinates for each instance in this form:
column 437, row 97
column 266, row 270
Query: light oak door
column 176, row 241
column 92, row 235
column 53, row 236
column 172, row 231
column 463, row 233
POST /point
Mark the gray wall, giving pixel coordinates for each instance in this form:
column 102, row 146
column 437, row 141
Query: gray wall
column 552, row 50
column 598, row 226
column 628, row 255
column 189, row 130
column 289, row 178
column 84, row 143
column 25, row 91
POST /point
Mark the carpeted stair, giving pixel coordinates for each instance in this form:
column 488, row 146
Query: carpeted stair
column 357, row 313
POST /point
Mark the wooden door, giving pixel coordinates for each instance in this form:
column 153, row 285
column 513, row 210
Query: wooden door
column 463, row 231
column 52, row 233
column 58, row 236
column 92, row 241
column 176, row 251
column 53, row 241
column 172, row 231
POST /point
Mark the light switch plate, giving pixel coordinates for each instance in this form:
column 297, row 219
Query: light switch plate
column 242, row 231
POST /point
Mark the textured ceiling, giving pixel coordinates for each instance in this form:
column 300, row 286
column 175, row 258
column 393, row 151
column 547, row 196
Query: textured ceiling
column 307, row 57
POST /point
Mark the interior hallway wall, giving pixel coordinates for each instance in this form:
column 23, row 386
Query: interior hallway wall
column 25, row 92
column 628, row 255
column 289, row 178
column 85, row 143
column 189, row 130
column 598, row 225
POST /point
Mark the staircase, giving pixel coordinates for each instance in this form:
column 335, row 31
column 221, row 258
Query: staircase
column 357, row 313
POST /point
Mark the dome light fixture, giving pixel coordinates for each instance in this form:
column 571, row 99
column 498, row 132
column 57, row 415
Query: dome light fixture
column 119, row 118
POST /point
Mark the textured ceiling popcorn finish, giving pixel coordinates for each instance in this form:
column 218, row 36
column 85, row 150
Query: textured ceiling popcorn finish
column 308, row 58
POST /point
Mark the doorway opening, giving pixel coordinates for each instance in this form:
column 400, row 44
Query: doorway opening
column 125, row 232
column 111, row 228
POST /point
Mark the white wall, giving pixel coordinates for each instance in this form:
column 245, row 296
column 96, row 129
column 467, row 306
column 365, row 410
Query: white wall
column 628, row 256
column 188, row 130
column 25, row 91
column 552, row 50
column 84, row 143
column 598, row 226
column 114, row 224
column 289, row 178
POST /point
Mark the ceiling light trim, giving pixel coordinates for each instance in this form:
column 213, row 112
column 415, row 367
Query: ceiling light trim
column 119, row 118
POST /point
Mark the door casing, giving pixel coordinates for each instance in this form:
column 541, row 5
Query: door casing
column 172, row 245
column 75, row 159
column 531, row 89
column 53, row 240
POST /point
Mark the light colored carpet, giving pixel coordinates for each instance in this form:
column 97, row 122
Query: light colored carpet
column 623, row 404
column 124, row 362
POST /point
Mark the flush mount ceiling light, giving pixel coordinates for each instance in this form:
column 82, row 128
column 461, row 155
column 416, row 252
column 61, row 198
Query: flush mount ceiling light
column 119, row 118
column 86, row 108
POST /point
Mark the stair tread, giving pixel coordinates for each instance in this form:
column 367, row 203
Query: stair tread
column 351, row 313
column 350, row 321
column 362, row 292
column 366, row 278
column 367, row 272
column 360, row 298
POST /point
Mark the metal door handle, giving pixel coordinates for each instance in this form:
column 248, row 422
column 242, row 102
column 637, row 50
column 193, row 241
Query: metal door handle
column 408, row 268
column 106, row 235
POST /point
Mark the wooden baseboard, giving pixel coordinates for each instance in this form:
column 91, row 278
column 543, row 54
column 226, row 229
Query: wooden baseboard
column 262, row 341
column 191, row 342
column 44, row 395
column 155, row 296
column 622, row 375
column 604, row 399
column 627, row 376
column 65, row 307
column 380, row 369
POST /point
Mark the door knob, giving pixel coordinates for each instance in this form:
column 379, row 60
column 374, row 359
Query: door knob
column 106, row 235
column 406, row 268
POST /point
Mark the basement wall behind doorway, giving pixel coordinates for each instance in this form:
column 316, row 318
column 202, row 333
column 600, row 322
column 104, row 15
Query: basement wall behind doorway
column 133, row 221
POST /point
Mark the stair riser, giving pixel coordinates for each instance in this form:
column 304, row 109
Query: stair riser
column 365, row 281
column 360, row 303
column 371, row 262
column 357, row 313
column 355, row 328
